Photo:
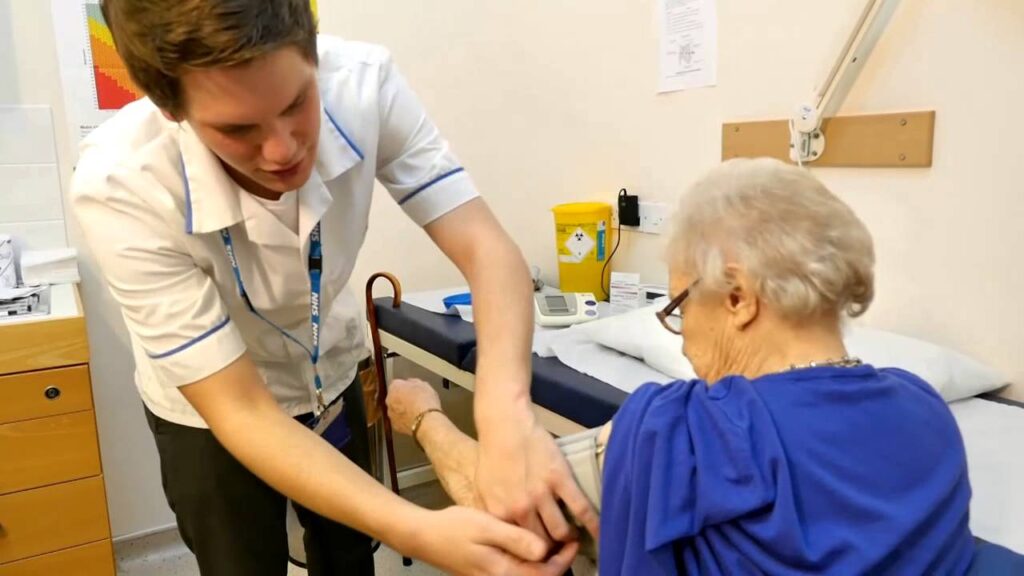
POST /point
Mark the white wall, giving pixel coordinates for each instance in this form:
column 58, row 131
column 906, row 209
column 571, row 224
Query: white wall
column 30, row 192
column 554, row 101
column 31, row 207
column 29, row 75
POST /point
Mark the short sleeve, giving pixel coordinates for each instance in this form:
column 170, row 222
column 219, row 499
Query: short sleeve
column 681, row 458
column 171, row 307
column 415, row 163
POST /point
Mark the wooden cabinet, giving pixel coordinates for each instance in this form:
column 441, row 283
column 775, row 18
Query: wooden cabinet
column 92, row 558
column 53, row 507
column 44, row 393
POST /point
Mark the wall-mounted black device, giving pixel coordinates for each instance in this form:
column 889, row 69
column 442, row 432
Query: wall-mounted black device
column 629, row 209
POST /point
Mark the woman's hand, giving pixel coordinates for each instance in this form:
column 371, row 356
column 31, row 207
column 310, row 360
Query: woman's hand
column 468, row 542
column 453, row 454
column 407, row 399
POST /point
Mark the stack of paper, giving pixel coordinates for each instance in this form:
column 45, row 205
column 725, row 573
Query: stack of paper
column 24, row 301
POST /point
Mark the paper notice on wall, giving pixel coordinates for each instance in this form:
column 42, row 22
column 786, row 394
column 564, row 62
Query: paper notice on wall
column 96, row 82
column 688, row 49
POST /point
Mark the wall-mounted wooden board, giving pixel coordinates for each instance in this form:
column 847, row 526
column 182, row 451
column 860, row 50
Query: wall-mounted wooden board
column 873, row 141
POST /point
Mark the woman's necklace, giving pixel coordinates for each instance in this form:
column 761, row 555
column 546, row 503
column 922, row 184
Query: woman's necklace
column 844, row 362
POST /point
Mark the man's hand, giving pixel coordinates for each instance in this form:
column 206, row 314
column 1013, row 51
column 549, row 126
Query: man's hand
column 463, row 541
column 521, row 472
column 522, row 475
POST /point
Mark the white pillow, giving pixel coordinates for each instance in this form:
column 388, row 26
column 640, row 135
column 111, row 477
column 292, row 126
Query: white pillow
column 954, row 375
column 639, row 334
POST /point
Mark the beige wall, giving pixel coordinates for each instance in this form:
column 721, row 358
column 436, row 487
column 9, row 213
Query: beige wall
column 554, row 101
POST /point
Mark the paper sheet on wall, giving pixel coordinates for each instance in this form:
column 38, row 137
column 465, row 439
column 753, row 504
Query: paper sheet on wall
column 95, row 80
column 688, row 50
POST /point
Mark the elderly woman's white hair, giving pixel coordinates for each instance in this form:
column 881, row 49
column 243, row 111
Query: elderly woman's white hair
column 806, row 250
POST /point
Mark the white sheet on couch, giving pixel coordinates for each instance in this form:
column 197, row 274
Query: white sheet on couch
column 994, row 437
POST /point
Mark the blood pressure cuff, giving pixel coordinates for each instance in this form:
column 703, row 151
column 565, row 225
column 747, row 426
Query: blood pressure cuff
column 581, row 452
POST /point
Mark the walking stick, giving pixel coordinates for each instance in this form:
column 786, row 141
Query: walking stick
column 382, row 393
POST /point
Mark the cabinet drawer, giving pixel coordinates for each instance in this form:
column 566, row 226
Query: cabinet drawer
column 96, row 559
column 42, row 344
column 45, row 393
column 49, row 519
column 47, row 451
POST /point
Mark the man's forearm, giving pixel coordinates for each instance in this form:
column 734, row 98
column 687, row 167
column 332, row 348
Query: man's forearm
column 502, row 307
column 307, row 469
column 503, row 315
column 293, row 460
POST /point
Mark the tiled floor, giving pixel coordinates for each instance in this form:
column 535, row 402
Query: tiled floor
column 164, row 554
column 171, row 558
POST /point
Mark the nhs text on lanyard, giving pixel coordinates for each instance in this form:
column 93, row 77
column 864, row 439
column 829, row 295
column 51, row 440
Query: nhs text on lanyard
column 315, row 271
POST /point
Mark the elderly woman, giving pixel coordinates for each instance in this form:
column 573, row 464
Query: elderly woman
column 787, row 455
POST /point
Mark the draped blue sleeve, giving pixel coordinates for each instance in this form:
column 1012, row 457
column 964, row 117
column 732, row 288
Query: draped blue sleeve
column 681, row 457
column 822, row 470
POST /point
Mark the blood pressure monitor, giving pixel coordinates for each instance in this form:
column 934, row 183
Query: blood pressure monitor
column 564, row 309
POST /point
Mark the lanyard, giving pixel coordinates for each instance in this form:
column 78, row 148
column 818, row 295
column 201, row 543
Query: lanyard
column 315, row 271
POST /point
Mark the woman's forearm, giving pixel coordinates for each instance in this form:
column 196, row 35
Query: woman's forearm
column 454, row 456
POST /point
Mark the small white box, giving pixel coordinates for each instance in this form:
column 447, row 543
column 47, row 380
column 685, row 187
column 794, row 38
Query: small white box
column 624, row 292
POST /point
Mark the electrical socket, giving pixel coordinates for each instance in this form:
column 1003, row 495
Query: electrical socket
column 653, row 217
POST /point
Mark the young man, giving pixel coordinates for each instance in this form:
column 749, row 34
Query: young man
column 226, row 212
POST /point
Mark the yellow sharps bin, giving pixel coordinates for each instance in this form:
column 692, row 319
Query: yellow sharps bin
column 581, row 237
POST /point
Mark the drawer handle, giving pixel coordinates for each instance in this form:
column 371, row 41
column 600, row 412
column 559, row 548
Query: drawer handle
column 52, row 393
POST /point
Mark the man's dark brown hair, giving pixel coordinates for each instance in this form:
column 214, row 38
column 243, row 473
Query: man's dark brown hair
column 159, row 40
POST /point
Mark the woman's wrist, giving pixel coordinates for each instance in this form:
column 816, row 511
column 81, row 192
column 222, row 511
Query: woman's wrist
column 417, row 424
column 453, row 456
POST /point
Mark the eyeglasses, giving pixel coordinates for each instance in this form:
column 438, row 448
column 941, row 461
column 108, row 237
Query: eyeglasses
column 671, row 316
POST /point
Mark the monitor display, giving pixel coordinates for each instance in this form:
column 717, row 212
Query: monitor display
column 556, row 303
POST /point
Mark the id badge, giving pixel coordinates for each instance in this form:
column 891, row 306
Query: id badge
column 331, row 425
